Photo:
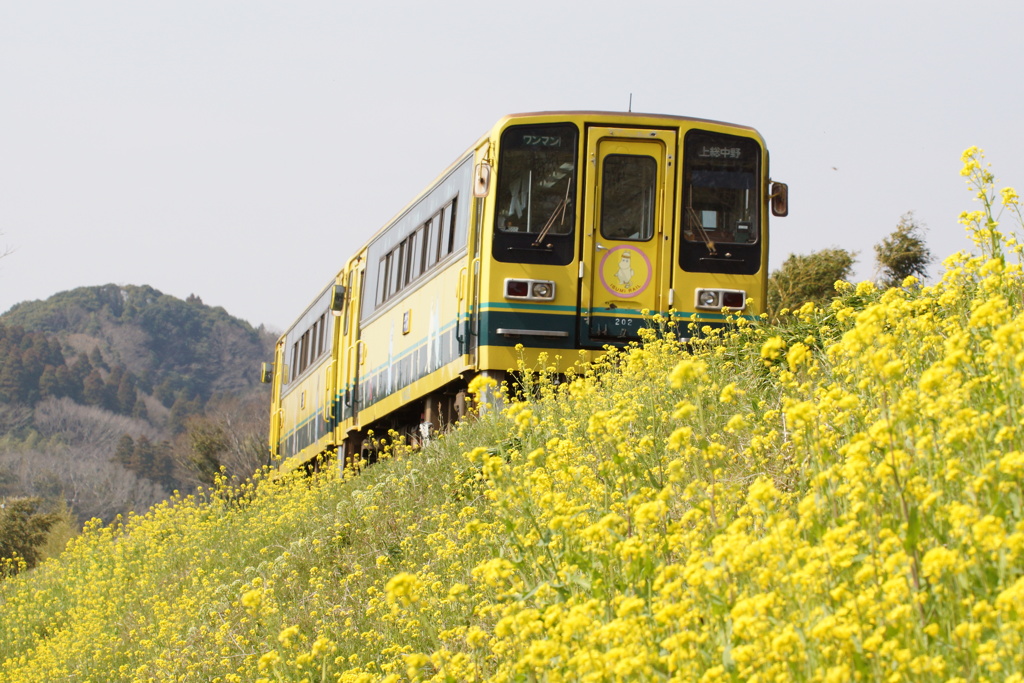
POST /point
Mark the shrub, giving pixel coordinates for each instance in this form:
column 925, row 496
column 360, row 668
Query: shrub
column 808, row 278
column 24, row 531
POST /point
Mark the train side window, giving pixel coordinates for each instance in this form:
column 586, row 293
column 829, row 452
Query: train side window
column 430, row 246
column 304, row 351
column 448, row 229
column 323, row 334
column 403, row 272
column 295, row 360
column 395, row 276
column 439, row 237
column 382, row 279
column 445, row 234
column 412, row 257
column 422, row 241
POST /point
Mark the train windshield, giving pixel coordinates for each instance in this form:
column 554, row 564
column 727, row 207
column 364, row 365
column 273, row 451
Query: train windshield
column 536, row 193
column 720, row 203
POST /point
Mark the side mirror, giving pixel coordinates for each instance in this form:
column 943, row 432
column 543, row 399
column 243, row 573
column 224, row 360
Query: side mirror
column 482, row 179
column 338, row 299
column 267, row 373
column 780, row 199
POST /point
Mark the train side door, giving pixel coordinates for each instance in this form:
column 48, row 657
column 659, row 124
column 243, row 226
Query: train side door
column 350, row 352
column 628, row 218
column 277, row 412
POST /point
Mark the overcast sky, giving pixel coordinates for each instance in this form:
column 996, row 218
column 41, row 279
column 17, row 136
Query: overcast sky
column 241, row 150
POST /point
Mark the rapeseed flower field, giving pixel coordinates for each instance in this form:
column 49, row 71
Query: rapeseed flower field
column 837, row 497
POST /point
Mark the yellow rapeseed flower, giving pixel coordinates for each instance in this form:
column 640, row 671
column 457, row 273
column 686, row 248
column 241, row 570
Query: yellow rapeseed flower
column 403, row 588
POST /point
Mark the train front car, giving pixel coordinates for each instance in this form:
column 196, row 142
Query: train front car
column 563, row 232
column 593, row 222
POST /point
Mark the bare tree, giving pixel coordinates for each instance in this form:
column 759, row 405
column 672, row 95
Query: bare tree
column 246, row 422
column 69, row 456
column 231, row 434
column 75, row 423
column 84, row 476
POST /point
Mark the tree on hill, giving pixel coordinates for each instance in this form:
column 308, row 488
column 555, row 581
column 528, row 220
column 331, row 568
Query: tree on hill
column 93, row 393
column 810, row 277
column 148, row 459
column 127, row 397
column 29, row 365
column 903, row 253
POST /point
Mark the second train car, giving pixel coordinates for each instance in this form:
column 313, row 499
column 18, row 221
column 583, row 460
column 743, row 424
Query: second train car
column 555, row 230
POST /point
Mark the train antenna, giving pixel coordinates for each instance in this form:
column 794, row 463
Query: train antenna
column 631, row 102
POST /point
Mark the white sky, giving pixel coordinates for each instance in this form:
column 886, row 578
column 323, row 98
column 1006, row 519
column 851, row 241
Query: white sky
column 242, row 150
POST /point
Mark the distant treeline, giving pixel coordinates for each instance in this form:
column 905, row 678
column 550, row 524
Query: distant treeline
column 33, row 368
column 174, row 348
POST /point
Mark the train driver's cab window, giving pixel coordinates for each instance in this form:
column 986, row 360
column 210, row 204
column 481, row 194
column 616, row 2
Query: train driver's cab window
column 627, row 197
column 536, row 194
column 720, row 189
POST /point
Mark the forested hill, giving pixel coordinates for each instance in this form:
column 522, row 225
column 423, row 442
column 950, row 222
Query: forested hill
column 111, row 397
column 173, row 347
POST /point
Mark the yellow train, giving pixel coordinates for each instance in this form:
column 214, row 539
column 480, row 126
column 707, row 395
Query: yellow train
column 555, row 230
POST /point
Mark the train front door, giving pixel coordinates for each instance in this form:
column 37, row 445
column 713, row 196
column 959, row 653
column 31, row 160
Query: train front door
column 627, row 219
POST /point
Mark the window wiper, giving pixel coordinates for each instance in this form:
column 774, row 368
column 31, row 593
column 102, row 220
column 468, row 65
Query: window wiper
column 695, row 222
column 562, row 206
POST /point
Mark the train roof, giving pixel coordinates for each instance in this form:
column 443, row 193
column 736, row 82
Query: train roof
column 637, row 116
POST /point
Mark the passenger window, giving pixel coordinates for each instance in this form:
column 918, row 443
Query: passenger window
column 445, row 235
column 431, row 244
column 422, row 241
column 382, row 279
column 412, row 257
column 449, row 219
column 395, row 274
column 304, row 351
column 323, row 334
column 403, row 272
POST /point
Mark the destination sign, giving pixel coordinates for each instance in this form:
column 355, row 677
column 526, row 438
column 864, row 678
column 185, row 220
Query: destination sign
column 708, row 152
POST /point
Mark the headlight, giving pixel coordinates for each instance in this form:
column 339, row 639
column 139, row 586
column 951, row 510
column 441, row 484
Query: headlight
column 717, row 299
column 529, row 290
column 542, row 290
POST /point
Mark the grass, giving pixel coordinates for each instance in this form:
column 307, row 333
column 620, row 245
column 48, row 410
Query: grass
column 835, row 497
